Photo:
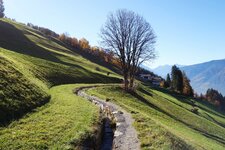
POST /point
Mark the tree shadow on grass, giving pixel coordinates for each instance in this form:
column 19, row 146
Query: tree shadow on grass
column 146, row 102
column 192, row 103
column 145, row 92
column 14, row 39
column 185, row 99
column 211, row 118
column 92, row 58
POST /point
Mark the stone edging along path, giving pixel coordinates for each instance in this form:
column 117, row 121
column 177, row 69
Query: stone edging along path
column 125, row 136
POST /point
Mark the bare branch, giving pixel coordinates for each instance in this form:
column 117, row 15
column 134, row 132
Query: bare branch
column 131, row 38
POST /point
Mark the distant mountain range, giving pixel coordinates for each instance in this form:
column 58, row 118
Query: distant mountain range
column 203, row 76
column 164, row 70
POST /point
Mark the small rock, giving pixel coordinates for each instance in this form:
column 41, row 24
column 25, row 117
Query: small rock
column 117, row 133
column 119, row 119
column 115, row 112
column 101, row 106
column 118, row 124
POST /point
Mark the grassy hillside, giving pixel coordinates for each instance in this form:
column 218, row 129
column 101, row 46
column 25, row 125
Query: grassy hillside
column 32, row 63
column 31, row 68
column 18, row 93
column 165, row 121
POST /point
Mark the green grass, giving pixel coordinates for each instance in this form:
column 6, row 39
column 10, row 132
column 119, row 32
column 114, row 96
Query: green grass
column 32, row 63
column 34, row 67
column 65, row 119
column 18, row 93
column 31, row 68
column 166, row 122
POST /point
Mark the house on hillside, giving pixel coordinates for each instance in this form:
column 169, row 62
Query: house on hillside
column 151, row 78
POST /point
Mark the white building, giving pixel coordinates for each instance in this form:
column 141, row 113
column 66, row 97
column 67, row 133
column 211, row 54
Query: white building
column 153, row 79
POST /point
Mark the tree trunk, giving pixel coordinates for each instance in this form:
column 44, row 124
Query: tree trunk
column 131, row 85
column 131, row 77
column 126, row 83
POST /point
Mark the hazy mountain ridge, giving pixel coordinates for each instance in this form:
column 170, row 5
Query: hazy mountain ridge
column 164, row 70
column 203, row 76
column 207, row 75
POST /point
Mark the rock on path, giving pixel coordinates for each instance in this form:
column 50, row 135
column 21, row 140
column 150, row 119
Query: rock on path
column 125, row 136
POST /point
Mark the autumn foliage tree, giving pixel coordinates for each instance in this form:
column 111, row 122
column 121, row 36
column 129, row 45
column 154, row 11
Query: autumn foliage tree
column 62, row 37
column 74, row 42
column 214, row 97
column 81, row 45
column 180, row 82
column 187, row 89
column 2, row 9
column 131, row 38
column 84, row 44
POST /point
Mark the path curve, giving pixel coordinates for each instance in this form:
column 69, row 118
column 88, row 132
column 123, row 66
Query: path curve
column 125, row 136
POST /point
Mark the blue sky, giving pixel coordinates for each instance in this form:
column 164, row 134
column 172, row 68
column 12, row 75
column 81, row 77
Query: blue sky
column 188, row 31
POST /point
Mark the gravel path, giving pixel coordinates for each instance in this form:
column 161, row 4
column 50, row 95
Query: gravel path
column 125, row 136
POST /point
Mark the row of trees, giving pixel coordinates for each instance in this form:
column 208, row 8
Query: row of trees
column 2, row 9
column 45, row 31
column 178, row 82
column 128, row 38
column 80, row 44
column 214, row 97
column 95, row 51
column 74, row 42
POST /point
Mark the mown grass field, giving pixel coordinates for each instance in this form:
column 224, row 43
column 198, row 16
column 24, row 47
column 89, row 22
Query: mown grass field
column 167, row 122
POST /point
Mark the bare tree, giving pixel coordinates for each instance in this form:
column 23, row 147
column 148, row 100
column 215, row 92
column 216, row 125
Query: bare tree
column 132, row 40
column 2, row 9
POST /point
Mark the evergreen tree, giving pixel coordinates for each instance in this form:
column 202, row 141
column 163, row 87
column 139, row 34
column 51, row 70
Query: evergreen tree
column 177, row 79
column 168, row 80
column 174, row 77
column 2, row 9
column 187, row 89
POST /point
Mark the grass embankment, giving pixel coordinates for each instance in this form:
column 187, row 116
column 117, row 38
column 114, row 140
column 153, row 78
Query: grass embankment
column 18, row 93
column 167, row 122
column 57, row 125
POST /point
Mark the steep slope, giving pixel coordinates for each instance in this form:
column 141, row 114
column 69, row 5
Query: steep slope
column 33, row 68
column 18, row 93
column 32, row 63
column 207, row 75
column 166, row 120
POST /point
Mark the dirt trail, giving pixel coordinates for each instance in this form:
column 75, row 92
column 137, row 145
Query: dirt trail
column 125, row 136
